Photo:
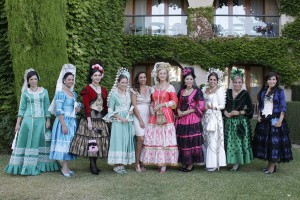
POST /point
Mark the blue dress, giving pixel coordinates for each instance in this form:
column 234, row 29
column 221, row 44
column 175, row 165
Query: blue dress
column 60, row 143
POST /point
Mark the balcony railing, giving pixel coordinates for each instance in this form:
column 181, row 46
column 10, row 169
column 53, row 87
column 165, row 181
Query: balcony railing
column 173, row 25
column 246, row 25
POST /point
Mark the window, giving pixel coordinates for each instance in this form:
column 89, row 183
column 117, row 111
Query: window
column 246, row 17
column 156, row 17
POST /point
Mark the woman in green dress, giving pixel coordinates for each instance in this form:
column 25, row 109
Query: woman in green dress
column 121, row 146
column 31, row 148
column 238, row 112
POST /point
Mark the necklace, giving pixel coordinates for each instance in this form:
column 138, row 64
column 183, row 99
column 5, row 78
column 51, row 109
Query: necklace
column 161, row 86
column 95, row 86
column 188, row 89
column 236, row 93
column 33, row 89
column 212, row 89
column 122, row 92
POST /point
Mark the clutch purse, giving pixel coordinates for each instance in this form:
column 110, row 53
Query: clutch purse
column 92, row 147
column 161, row 119
column 274, row 121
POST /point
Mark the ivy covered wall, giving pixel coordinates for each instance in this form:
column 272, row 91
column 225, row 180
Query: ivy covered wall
column 95, row 31
column 292, row 8
column 280, row 54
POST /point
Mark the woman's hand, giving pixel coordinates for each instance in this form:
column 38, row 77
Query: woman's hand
column 152, row 111
column 235, row 113
column 278, row 124
column 64, row 129
column 90, row 127
column 77, row 109
column 17, row 127
column 227, row 114
column 158, row 107
column 48, row 123
column 179, row 113
column 259, row 118
column 142, row 124
column 124, row 120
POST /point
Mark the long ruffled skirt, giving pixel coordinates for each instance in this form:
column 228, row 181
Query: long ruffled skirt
column 80, row 143
column 60, row 144
column 238, row 140
column 189, row 139
column 160, row 145
column 31, row 151
column 272, row 143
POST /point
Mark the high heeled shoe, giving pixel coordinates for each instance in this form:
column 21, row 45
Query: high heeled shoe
column 235, row 168
column 162, row 169
column 138, row 168
column 268, row 172
column 266, row 169
column 183, row 168
column 211, row 169
column 65, row 174
column 188, row 170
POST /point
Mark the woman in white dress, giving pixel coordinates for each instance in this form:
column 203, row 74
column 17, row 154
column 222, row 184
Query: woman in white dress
column 140, row 99
column 214, row 97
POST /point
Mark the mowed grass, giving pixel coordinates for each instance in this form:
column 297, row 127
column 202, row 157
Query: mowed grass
column 248, row 183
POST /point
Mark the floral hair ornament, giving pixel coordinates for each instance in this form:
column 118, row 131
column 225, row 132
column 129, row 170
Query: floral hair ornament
column 186, row 71
column 25, row 83
column 236, row 72
column 98, row 67
column 121, row 71
column 218, row 72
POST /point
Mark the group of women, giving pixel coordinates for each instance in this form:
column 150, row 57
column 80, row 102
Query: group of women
column 149, row 125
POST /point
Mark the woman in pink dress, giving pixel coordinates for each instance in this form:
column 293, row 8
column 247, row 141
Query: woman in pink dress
column 188, row 124
column 160, row 145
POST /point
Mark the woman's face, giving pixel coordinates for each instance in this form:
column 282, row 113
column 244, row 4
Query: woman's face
column 162, row 75
column 189, row 81
column 272, row 81
column 237, row 84
column 69, row 81
column 212, row 81
column 123, row 84
column 142, row 79
column 96, row 77
column 33, row 81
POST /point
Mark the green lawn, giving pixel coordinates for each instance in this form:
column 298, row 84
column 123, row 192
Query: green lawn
column 248, row 183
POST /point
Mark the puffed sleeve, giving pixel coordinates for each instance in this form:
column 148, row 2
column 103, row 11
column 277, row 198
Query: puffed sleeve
column 86, row 102
column 23, row 105
column 173, row 97
column 200, row 105
column 111, row 107
column 221, row 96
column 282, row 101
column 46, row 104
column 59, row 101
column 249, row 106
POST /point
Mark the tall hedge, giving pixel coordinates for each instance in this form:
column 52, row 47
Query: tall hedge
column 7, row 95
column 293, row 117
column 37, row 39
column 95, row 31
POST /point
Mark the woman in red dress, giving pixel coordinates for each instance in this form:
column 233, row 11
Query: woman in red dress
column 160, row 145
